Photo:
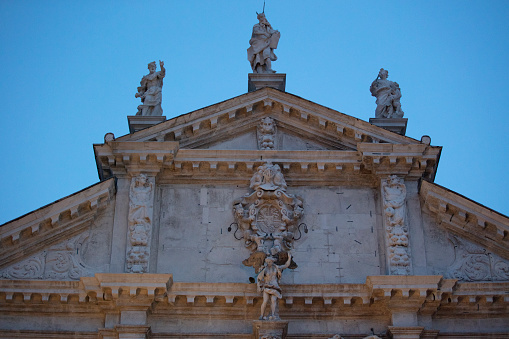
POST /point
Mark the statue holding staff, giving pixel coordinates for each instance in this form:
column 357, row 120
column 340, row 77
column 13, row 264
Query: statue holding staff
column 263, row 42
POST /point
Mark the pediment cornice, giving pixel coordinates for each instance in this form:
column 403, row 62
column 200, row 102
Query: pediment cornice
column 467, row 218
column 189, row 128
column 48, row 225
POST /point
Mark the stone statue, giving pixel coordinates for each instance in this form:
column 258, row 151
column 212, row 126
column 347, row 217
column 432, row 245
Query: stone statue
column 268, row 283
column 150, row 91
column 387, row 95
column 263, row 42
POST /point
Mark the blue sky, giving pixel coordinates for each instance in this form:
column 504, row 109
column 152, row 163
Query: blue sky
column 70, row 69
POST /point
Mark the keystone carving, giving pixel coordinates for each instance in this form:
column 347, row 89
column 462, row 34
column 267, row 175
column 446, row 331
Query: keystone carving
column 473, row 263
column 267, row 134
column 141, row 197
column 394, row 195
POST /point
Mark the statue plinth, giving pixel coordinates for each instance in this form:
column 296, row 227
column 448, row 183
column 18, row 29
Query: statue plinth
column 257, row 81
column 270, row 329
column 396, row 125
column 139, row 122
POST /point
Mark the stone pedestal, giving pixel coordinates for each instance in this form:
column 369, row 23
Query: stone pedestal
column 405, row 332
column 139, row 122
column 132, row 331
column 396, row 125
column 268, row 329
column 261, row 80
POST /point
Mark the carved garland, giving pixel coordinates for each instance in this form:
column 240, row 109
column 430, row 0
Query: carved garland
column 394, row 200
column 141, row 197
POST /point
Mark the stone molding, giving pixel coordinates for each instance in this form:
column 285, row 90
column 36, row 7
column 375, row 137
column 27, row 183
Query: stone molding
column 50, row 224
column 409, row 332
column 467, row 218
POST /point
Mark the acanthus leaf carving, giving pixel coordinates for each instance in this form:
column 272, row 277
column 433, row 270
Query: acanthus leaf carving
column 32, row 268
column 394, row 200
column 473, row 263
column 61, row 261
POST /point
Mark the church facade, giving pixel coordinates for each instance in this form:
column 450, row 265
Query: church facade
column 262, row 216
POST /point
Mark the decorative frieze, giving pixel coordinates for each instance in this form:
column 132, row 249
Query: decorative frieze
column 141, row 200
column 394, row 203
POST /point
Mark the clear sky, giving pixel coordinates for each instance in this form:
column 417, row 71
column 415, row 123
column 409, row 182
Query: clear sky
column 69, row 71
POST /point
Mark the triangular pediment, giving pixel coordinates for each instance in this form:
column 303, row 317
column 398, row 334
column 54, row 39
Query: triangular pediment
column 301, row 124
column 64, row 240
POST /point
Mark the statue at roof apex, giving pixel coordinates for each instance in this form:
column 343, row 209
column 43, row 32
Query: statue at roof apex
column 387, row 95
column 150, row 91
column 263, row 42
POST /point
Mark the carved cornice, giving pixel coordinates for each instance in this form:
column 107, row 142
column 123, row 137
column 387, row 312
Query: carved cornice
column 112, row 286
column 48, row 225
column 412, row 160
column 467, row 218
column 379, row 295
column 121, row 158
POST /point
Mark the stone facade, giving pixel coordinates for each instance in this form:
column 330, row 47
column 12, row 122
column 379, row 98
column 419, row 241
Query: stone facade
column 156, row 249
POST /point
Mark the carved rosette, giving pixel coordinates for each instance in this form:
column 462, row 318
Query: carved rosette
column 394, row 200
column 268, row 217
column 266, row 134
column 473, row 263
column 141, row 197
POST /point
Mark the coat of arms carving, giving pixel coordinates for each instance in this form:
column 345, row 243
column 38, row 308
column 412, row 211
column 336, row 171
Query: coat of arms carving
column 268, row 217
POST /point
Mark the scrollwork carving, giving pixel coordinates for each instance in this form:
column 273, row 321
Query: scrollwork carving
column 473, row 263
column 59, row 262
column 32, row 268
